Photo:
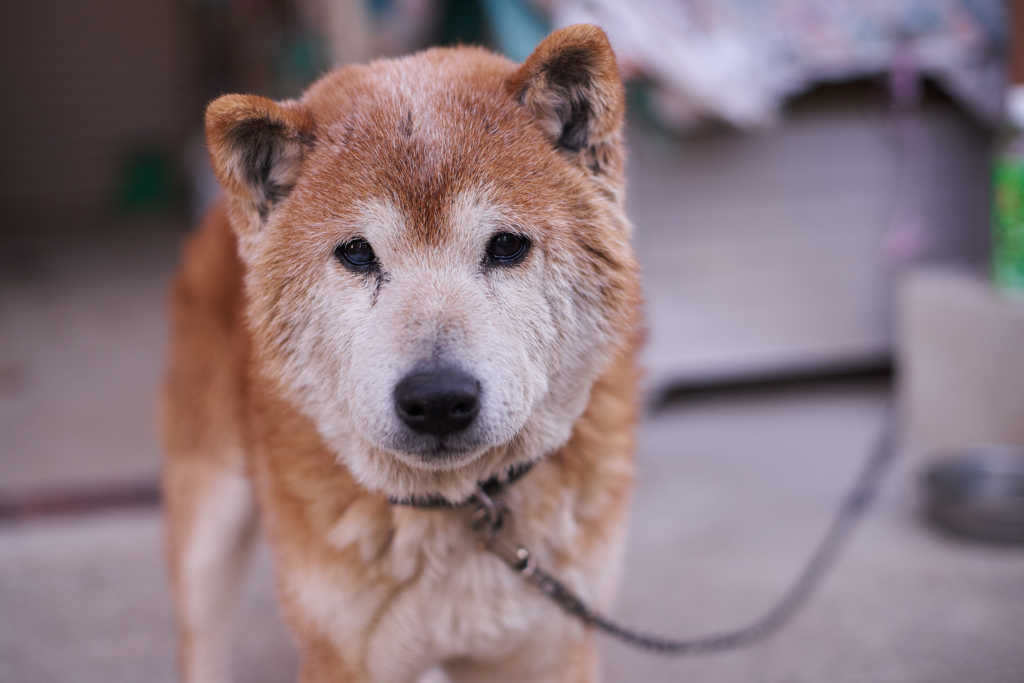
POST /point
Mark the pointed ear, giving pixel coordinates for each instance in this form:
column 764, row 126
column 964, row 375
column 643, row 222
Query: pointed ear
column 571, row 85
column 257, row 147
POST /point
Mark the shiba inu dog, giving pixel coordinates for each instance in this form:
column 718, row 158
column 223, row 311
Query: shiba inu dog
column 420, row 279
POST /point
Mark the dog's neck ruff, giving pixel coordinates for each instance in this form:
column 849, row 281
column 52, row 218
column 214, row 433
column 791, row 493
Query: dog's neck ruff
column 489, row 487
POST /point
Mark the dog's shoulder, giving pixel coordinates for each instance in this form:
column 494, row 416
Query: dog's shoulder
column 209, row 278
column 207, row 355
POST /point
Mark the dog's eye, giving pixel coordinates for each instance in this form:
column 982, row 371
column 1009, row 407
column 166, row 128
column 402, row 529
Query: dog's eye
column 507, row 249
column 356, row 254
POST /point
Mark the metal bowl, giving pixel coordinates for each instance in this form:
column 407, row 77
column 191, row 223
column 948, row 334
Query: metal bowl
column 978, row 493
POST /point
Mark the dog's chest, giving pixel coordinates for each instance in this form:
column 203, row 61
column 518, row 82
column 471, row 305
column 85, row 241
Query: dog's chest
column 465, row 603
column 429, row 593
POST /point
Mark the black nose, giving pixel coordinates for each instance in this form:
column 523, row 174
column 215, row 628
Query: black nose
column 438, row 401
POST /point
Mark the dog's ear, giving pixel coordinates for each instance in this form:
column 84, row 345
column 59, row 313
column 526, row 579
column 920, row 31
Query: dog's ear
column 257, row 147
column 572, row 87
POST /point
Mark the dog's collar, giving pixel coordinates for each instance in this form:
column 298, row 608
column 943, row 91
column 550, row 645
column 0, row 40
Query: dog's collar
column 489, row 487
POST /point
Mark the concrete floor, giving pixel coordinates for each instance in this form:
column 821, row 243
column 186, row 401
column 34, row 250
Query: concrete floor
column 733, row 493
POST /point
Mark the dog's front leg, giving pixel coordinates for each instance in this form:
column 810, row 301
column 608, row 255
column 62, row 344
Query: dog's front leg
column 319, row 662
column 571, row 661
column 583, row 664
column 209, row 527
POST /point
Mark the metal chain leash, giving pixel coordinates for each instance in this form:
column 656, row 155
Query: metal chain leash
column 490, row 515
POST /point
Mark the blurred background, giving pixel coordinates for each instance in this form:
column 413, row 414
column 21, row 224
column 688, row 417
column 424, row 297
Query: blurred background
column 829, row 207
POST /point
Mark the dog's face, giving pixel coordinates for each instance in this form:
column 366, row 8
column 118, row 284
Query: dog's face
column 437, row 260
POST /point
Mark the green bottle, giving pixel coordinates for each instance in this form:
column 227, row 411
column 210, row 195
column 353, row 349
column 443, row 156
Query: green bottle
column 1008, row 197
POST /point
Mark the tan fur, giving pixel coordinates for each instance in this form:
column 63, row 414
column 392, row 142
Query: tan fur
column 282, row 363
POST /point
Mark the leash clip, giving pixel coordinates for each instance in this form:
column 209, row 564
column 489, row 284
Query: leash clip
column 488, row 519
column 489, row 515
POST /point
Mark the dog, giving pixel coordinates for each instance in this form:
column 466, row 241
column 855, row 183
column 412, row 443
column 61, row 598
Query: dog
column 419, row 280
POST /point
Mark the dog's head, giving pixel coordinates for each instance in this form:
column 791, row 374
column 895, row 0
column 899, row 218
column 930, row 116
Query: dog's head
column 437, row 259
